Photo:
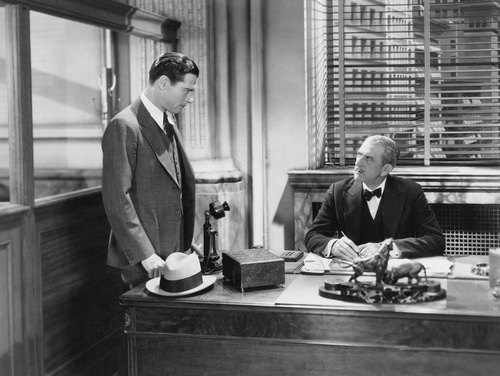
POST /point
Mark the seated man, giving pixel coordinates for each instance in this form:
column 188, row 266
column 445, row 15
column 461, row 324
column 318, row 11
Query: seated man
column 396, row 209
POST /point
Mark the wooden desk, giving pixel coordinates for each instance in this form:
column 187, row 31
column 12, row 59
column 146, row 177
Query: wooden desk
column 263, row 332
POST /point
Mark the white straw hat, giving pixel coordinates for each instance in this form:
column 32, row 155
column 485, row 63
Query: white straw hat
column 181, row 276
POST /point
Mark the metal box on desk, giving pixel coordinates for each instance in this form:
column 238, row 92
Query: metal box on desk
column 249, row 268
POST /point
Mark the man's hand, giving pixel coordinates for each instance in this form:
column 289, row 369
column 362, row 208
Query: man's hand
column 154, row 265
column 368, row 249
column 345, row 249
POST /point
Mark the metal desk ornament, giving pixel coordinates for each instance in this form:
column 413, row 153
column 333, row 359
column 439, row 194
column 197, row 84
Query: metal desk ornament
column 211, row 262
column 386, row 288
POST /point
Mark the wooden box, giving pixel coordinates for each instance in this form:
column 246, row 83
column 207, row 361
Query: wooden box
column 249, row 268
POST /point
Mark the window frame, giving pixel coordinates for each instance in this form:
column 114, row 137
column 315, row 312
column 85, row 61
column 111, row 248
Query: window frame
column 107, row 14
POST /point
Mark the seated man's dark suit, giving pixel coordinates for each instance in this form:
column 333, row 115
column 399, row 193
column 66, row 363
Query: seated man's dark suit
column 403, row 214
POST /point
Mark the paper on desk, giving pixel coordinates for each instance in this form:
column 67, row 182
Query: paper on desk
column 437, row 266
column 314, row 262
column 462, row 267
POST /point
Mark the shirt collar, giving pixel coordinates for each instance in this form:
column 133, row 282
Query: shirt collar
column 155, row 112
column 381, row 186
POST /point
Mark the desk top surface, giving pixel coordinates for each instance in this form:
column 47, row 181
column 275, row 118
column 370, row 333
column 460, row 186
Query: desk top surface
column 467, row 296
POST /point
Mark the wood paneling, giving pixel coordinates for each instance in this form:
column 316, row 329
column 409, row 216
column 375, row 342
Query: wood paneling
column 242, row 357
column 14, row 338
column 8, row 300
column 82, row 320
column 75, row 304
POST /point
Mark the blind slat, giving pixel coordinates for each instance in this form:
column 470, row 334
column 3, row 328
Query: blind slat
column 388, row 88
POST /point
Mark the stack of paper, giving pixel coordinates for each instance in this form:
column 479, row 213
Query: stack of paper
column 464, row 265
column 316, row 264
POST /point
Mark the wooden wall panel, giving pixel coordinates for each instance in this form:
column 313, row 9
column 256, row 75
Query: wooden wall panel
column 82, row 319
column 6, row 313
column 12, row 332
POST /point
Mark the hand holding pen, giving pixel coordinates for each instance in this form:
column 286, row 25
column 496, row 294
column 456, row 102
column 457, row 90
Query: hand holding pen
column 345, row 249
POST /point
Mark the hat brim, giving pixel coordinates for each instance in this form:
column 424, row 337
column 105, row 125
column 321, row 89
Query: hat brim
column 153, row 286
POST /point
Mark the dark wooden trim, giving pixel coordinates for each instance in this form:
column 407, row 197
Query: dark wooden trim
column 27, row 305
column 19, row 104
column 103, row 13
column 109, row 14
column 9, row 212
column 150, row 25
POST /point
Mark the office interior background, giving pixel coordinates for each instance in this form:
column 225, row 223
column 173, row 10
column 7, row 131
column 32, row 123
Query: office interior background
column 287, row 92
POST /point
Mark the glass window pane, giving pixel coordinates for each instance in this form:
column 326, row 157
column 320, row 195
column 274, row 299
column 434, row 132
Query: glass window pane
column 67, row 58
column 425, row 73
column 4, row 128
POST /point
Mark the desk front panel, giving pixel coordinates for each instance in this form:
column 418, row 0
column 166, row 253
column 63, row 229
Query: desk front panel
column 224, row 331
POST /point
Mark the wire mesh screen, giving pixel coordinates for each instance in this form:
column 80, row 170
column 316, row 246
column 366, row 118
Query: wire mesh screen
column 470, row 229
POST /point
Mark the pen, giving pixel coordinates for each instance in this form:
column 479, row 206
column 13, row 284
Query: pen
column 343, row 234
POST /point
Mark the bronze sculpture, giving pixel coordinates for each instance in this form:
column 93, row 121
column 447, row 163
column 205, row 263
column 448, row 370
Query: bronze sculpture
column 386, row 288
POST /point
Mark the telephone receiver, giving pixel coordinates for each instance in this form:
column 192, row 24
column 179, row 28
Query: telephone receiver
column 210, row 256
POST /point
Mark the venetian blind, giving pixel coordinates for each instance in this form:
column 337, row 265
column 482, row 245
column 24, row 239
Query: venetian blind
column 316, row 80
column 424, row 72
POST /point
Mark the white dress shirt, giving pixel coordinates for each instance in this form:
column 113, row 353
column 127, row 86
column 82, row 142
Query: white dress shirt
column 156, row 113
column 373, row 205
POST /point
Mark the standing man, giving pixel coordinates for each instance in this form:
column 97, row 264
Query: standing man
column 148, row 185
column 373, row 206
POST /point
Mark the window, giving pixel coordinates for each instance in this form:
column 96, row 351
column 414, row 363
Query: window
column 4, row 127
column 68, row 111
column 79, row 76
column 432, row 85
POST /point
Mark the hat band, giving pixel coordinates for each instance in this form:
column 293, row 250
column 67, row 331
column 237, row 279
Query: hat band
column 181, row 285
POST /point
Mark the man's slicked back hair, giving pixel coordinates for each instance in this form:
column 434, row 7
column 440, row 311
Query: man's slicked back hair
column 174, row 65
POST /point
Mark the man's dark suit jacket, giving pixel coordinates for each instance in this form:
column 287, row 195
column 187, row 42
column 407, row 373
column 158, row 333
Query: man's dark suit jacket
column 408, row 218
column 149, row 211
